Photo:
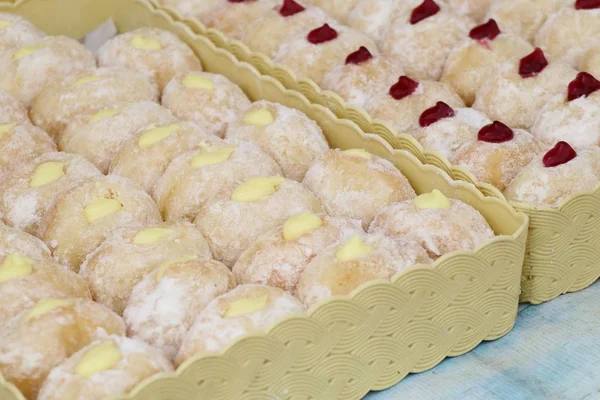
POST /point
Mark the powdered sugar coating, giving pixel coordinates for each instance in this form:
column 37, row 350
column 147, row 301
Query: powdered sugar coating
column 350, row 186
column 403, row 115
column 543, row 186
column 211, row 332
column 68, row 233
column 470, row 63
column 374, row 17
column 29, row 349
column 230, row 226
column 498, row 163
column 145, row 166
column 138, row 362
column 424, row 47
column 590, row 62
column 22, row 142
column 448, row 134
column 313, row 61
column 13, row 240
column 17, row 32
column 338, row 9
column 118, row 264
column 183, row 189
column 326, row 276
column 476, row 9
column 11, row 109
column 54, row 58
column 569, row 33
column 358, row 83
column 62, row 101
column 233, row 18
column 267, row 34
column 292, row 139
column 440, row 231
column 99, row 141
column 160, row 312
column 212, row 109
column 194, row 8
column 515, row 100
column 272, row 260
column 161, row 65
column 22, row 205
column 46, row 280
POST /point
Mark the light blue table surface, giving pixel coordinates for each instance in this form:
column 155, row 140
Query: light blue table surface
column 552, row 353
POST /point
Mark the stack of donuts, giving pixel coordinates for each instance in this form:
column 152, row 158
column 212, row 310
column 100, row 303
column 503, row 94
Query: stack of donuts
column 151, row 212
column 505, row 88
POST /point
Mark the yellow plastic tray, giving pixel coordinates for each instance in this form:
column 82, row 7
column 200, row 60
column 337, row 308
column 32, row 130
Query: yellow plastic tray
column 563, row 249
column 349, row 345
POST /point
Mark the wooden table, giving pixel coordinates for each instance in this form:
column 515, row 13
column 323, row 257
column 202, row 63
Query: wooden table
column 552, row 353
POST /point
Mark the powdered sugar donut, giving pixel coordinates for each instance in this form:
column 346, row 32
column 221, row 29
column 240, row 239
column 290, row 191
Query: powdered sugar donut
column 255, row 207
column 423, row 37
column 286, row 134
column 164, row 304
column 88, row 92
column 471, row 61
column 83, row 216
column 498, row 154
column 440, row 224
column 363, row 76
column 406, row 100
column 573, row 116
column 98, row 137
column 374, row 17
column 524, row 17
column 14, row 240
column 145, row 157
column 204, row 176
column 590, row 61
column 233, row 18
column 313, row 55
column 520, row 89
column 356, row 184
column 552, row 178
column 21, row 142
column 247, row 309
column 281, row 25
column 343, row 267
column 155, row 52
column 28, row 191
column 105, row 368
column 476, row 9
column 338, row 9
column 40, row 338
column 25, row 71
column 569, row 33
column 11, row 109
column 209, row 100
column 16, row 31
column 279, row 257
column 24, row 281
column 128, row 254
column 444, row 129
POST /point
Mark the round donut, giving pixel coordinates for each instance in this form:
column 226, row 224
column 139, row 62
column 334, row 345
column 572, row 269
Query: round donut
column 164, row 304
column 279, row 257
column 286, row 134
column 128, row 254
column 441, row 225
column 203, row 176
column 98, row 137
column 356, row 184
column 38, row 339
column 145, row 157
column 25, row 71
column 155, row 52
column 247, row 309
column 20, row 143
column 16, row 31
column 255, row 207
column 374, row 17
column 209, row 100
column 88, row 92
column 13, row 240
column 11, row 110
column 28, row 191
column 83, row 216
column 342, row 267
column 233, row 18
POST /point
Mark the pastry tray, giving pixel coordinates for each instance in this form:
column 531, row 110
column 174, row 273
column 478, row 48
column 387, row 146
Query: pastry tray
column 348, row 345
column 563, row 248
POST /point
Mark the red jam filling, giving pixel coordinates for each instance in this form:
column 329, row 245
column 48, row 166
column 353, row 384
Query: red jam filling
column 587, row 4
column 403, row 88
column 359, row 56
column 290, row 7
column 432, row 115
column 496, row 132
column 560, row 154
column 424, row 11
column 533, row 64
column 321, row 35
column 582, row 86
column 488, row 31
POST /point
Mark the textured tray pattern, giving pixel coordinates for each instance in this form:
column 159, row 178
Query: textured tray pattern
column 348, row 345
column 563, row 253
